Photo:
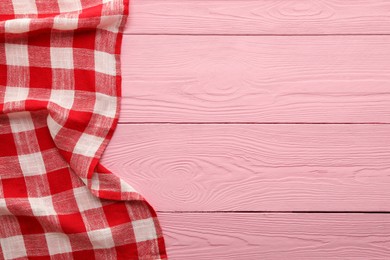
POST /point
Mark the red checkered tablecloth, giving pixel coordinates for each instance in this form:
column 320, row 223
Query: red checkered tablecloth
column 59, row 105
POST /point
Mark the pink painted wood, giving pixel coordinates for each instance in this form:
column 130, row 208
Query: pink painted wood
column 256, row 79
column 259, row 17
column 199, row 236
column 207, row 86
column 249, row 167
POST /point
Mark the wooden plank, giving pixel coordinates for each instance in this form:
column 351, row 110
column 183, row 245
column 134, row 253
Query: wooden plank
column 256, row 79
column 259, row 17
column 228, row 167
column 276, row 236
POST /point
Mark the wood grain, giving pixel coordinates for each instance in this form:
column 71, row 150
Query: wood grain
column 194, row 61
column 259, row 17
column 228, row 167
column 276, row 236
column 256, row 79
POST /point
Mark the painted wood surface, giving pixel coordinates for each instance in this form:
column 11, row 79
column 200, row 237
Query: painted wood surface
column 250, row 167
column 259, row 17
column 277, row 236
column 208, row 87
column 256, row 79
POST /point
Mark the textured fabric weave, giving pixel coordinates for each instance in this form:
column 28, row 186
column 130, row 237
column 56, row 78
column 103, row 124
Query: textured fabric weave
column 59, row 105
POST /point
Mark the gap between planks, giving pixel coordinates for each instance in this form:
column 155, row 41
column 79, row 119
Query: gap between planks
column 253, row 123
column 252, row 35
column 272, row 212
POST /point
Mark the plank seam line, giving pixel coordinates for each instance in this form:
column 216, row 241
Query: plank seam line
column 266, row 35
column 276, row 212
column 251, row 123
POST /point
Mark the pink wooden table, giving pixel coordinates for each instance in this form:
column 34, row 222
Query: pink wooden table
column 259, row 129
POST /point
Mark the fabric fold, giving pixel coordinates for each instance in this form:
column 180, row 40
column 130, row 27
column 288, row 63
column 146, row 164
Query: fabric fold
column 60, row 87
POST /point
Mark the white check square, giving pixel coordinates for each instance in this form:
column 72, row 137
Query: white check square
column 65, row 23
column 16, row 54
column 13, row 247
column 85, row 200
column 42, row 206
column 61, row 58
column 21, row 122
column 88, row 145
column 14, row 94
column 110, row 23
column 58, row 243
column 69, row 5
column 105, row 105
column 17, row 25
column 105, row 63
column 144, row 229
column 24, row 7
column 101, row 238
column 32, row 164
column 62, row 97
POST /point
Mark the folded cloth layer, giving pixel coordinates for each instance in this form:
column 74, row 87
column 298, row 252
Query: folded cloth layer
column 60, row 90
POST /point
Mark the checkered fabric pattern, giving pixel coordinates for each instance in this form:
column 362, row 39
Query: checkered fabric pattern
column 59, row 105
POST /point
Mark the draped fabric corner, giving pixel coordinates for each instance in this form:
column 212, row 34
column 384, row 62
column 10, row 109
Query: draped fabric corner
column 59, row 105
